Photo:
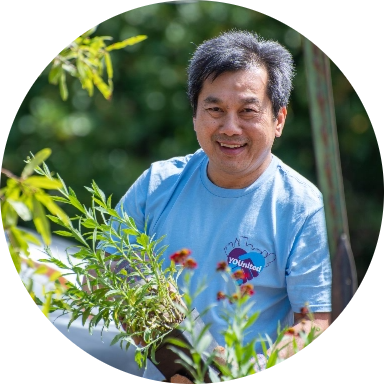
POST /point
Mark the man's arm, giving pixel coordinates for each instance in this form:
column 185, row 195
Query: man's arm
column 319, row 320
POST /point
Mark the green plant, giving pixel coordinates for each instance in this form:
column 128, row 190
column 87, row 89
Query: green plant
column 199, row 361
column 237, row 358
column 85, row 58
column 25, row 197
column 143, row 296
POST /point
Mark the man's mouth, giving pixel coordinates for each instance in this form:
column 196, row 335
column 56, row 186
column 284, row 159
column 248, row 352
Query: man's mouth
column 231, row 145
column 231, row 149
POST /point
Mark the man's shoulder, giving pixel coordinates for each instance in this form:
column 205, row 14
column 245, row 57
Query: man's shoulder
column 169, row 170
column 299, row 188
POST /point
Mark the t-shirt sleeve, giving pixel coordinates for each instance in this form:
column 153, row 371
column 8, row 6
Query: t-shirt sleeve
column 133, row 203
column 308, row 272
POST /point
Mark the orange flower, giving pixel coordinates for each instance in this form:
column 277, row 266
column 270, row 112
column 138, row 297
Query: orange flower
column 239, row 274
column 304, row 311
column 180, row 257
column 221, row 295
column 247, row 289
column 222, row 266
column 290, row 332
column 234, row 297
column 190, row 263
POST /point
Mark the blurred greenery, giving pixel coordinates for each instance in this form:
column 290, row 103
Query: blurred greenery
column 149, row 118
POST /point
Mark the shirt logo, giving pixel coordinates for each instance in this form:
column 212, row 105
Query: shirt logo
column 243, row 255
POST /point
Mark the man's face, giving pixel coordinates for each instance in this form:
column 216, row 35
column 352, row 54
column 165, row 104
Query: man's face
column 235, row 126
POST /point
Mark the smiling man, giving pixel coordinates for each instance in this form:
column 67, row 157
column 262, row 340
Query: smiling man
column 233, row 200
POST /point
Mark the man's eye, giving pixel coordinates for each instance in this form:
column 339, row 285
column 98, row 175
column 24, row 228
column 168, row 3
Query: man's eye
column 214, row 109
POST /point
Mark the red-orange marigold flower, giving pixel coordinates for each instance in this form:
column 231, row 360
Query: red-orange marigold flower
column 247, row 289
column 234, row 297
column 222, row 266
column 304, row 311
column 239, row 274
column 290, row 331
column 221, row 295
column 179, row 257
column 190, row 263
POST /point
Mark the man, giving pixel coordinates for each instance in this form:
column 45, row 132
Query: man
column 233, row 200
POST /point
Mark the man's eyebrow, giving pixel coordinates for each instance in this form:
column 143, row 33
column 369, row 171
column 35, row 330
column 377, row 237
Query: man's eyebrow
column 211, row 99
column 246, row 100
column 251, row 100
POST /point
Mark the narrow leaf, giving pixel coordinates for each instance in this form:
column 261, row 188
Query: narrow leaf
column 108, row 64
column 43, row 182
column 35, row 162
column 63, row 86
column 124, row 43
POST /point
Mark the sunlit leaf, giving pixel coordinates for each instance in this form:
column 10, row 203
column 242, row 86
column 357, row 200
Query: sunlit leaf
column 41, row 222
column 43, row 182
column 52, row 207
column 21, row 209
column 29, row 237
column 15, row 258
column 108, row 64
column 124, row 43
column 55, row 73
column 41, row 270
column 55, row 275
column 102, row 86
column 18, row 241
column 35, row 161
column 63, row 86
column 47, row 305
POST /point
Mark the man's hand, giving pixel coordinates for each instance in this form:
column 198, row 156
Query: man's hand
column 302, row 323
column 180, row 379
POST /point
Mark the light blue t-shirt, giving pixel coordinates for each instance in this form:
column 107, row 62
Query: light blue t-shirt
column 274, row 230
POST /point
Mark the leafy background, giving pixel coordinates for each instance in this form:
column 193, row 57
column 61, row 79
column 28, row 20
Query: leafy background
column 149, row 118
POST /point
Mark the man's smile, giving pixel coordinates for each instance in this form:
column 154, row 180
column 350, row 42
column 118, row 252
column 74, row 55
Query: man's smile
column 231, row 148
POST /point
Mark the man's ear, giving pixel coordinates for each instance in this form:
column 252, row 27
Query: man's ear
column 280, row 121
column 194, row 120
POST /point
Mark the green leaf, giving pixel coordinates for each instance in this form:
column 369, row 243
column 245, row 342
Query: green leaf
column 18, row 241
column 102, row 86
column 76, row 203
column 55, row 73
column 55, row 275
column 63, row 86
column 85, row 315
column 41, row 270
column 124, row 43
column 177, row 342
column 64, row 233
column 47, row 305
column 52, row 207
column 21, row 209
column 120, row 336
column 55, row 261
column 108, row 64
column 43, row 182
column 15, row 258
column 40, row 221
column 35, row 162
column 29, row 237
column 8, row 215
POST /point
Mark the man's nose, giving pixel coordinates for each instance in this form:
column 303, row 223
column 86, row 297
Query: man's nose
column 230, row 125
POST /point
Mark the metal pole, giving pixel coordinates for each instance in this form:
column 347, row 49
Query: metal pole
column 324, row 132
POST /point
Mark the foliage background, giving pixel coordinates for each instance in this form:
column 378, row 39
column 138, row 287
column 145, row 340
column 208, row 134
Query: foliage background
column 149, row 117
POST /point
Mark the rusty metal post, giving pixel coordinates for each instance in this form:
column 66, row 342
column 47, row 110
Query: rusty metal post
column 324, row 132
